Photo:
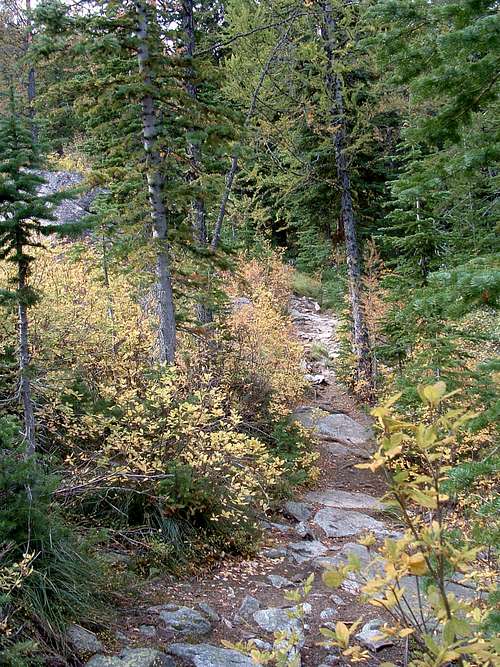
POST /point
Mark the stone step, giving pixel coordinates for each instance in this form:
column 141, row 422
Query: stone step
column 343, row 523
column 344, row 500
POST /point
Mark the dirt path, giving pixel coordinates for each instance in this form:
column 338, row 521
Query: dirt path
column 240, row 600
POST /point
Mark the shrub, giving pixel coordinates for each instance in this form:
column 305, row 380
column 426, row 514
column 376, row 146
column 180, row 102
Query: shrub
column 263, row 362
column 46, row 576
column 444, row 625
column 163, row 450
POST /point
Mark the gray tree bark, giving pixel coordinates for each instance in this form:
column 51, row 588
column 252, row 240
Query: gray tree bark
column 333, row 82
column 199, row 224
column 150, row 132
column 24, row 356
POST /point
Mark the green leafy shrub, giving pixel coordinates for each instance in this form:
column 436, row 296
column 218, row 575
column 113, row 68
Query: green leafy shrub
column 46, row 576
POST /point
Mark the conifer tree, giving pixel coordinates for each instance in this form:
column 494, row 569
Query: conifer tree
column 334, row 85
column 22, row 216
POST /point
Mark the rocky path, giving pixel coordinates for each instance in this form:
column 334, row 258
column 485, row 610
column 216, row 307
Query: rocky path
column 184, row 623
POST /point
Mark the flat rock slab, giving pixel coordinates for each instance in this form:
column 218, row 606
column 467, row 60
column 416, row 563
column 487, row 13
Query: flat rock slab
column 344, row 500
column 301, row 552
column 337, row 427
column 207, row 655
column 344, row 523
column 134, row 657
column 184, row 620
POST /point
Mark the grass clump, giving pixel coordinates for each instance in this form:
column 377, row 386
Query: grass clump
column 306, row 285
column 47, row 578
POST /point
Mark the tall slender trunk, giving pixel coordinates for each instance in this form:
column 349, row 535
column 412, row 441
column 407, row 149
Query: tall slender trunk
column 333, row 82
column 24, row 356
column 234, row 158
column 150, row 132
column 31, row 74
column 110, row 309
column 199, row 224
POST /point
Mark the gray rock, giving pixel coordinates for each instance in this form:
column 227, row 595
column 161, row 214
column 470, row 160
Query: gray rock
column 343, row 523
column 298, row 511
column 338, row 427
column 147, row 631
column 304, row 531
column 206, row 655
column 248, row 606
column 344, row 451
column 280, row 552
column 332, row 659
column 280, row 527
column 370, row 636
column 279, row 582
column 351, row 584
column 300, row 552
column 315, row 379
column 336, row 599
column 134, row 657
column 209, row 611
column 185, row 621
column 353, row 549
column 261, row 644
column 328, row 614
column 276, row 619
column 344, row 500
column 83, row 641
column 72, row 209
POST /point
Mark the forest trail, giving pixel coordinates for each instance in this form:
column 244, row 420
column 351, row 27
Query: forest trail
column 187, row 620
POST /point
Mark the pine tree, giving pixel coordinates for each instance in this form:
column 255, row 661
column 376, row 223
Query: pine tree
column 23, row 216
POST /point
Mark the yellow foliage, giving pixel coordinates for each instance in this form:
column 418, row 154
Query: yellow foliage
column 264, row 355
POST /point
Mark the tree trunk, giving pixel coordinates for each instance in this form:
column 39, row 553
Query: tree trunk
column 234, row 158
column 361, row 341
column 31, row 74
column 199, row 224
column 164, row 294
column 24, row 356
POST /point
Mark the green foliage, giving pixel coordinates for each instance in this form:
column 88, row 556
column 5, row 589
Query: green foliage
column 60, row 580
column 305, row 285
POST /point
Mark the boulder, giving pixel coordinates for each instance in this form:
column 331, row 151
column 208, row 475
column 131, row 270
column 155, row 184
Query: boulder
column 342, row 523
column 206, row 655
column 344, row 451
column 248, row 606
column 83, row 641
column 298, row 511
column 132, row 657
column 184, row 620
column 301, row 552
column 276, row 619
column 209, row 611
